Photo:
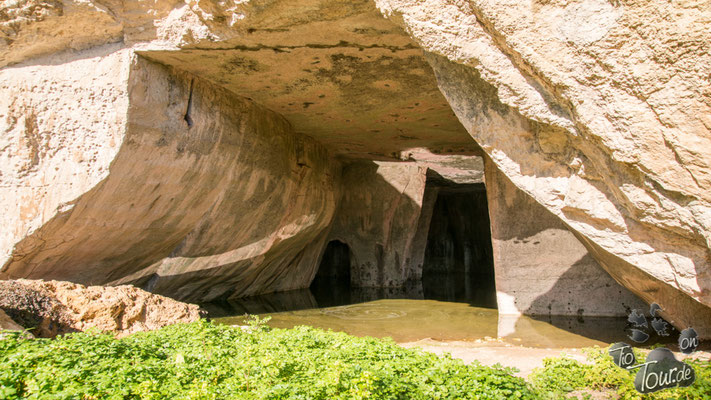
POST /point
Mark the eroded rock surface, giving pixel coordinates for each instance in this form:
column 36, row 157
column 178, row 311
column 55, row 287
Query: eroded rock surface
column 190, row 191
column 599, row 110
column 62, row 123
column 541, row 267
column 50, row 308
column 378, row 219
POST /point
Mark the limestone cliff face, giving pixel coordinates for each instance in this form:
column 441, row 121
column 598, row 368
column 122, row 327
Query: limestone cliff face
column 62, row 124
column 378, row 218
column 188, row 183
column 601, row 111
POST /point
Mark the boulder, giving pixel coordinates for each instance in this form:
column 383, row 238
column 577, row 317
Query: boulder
column 50, row 308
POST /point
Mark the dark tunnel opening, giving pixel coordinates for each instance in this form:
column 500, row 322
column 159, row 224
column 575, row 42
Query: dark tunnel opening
column 332, row 283
column 459, row 262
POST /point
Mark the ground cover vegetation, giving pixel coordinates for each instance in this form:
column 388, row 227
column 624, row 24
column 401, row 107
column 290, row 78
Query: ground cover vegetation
column 203, row 360
column 560, row 376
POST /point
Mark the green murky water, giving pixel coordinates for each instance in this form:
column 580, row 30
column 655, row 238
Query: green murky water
column 413, row 319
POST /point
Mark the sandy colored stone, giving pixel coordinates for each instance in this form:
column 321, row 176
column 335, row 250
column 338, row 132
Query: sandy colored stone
column 378, row 219
column 337, row 70
column 56, row 307
column 31, row 28
column 62, row 124
column 35, row 28
column 195, row 193
column 598, row 110
column 541, row 267
column 7, row 323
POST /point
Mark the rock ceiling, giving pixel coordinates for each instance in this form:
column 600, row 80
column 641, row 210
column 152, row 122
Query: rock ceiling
column 355, row 82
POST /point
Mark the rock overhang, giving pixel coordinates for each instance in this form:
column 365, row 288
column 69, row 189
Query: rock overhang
column 626, row 173
column 349, row 78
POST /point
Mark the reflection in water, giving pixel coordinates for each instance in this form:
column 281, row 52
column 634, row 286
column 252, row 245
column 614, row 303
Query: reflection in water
column 456, row 299
column 460, row 287
column 459, row 262
column 407, row 320
column 416, row 312
column 330, row 292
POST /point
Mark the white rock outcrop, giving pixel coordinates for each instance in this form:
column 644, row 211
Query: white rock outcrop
column 118, row 170
column 601, row 111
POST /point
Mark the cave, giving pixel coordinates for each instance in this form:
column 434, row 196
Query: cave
column 233, row 165
column 458, row 263
column 335, row 264
column 332, row 282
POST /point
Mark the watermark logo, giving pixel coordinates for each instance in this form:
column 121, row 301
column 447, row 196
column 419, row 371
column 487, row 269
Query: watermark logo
column 688, row 341
column 639, row 326
column 661, row 370
column 622, row 355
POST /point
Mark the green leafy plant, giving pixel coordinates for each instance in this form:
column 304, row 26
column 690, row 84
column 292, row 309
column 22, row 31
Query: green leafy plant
column 203, row 360
column 562, row 375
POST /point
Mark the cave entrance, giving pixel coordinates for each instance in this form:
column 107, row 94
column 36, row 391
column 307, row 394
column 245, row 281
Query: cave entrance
column 459, row 263
column 332, row 282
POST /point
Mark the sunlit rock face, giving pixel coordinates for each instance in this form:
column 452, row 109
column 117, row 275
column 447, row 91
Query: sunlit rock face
column 196, row 188
column 52, row 308
column 541, row 267
column 62, row 124
column 598, row 110
column 193, row 192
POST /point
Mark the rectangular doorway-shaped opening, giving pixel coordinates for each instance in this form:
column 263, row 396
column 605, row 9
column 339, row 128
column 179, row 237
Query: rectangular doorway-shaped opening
column 332, row 283
column 459, row 263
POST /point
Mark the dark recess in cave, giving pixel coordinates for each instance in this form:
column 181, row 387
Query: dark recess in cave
column 459, row 263
column 333, row 278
